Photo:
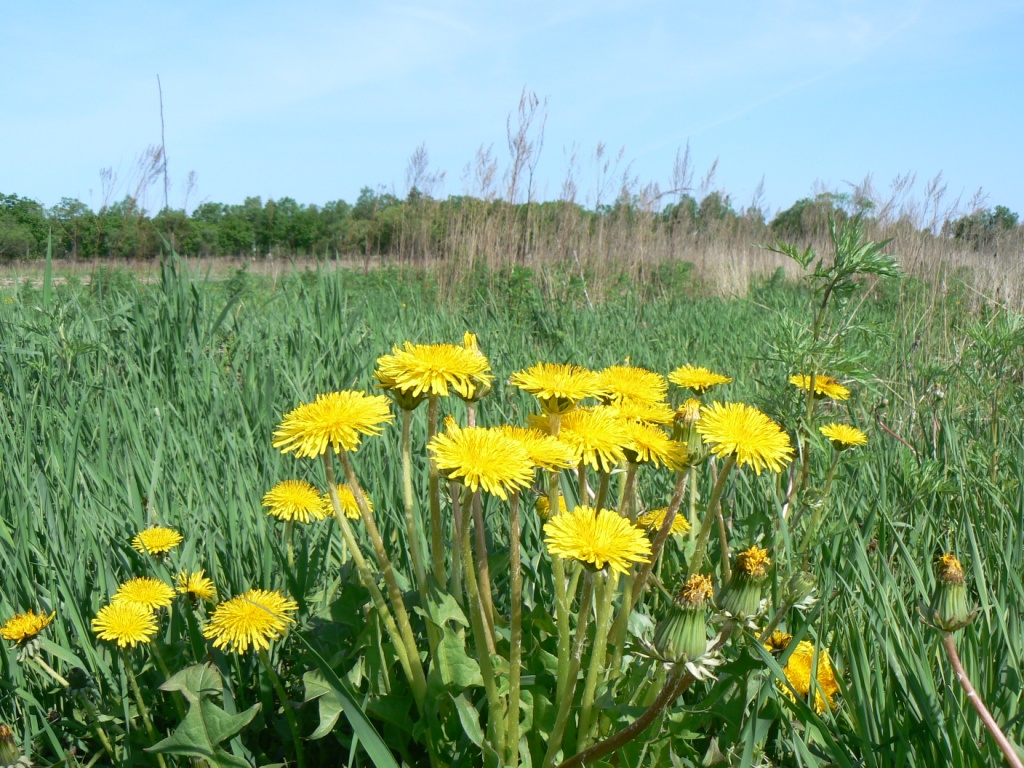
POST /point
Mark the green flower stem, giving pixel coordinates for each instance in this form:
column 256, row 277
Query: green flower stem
column 394, row 591
column 605, row 590
column 50, row 670
column 289, row 545
column 805, row 459
column 94, row 716
column 412, row 525
column 565, row 702
column 140, row 702
column 723, row 541
column 158, row 657
column 459, row 501
column 1012, row 759
column 581, row 481
column 416, row 679
column 626, row 492
column 674, row 688
column 558, row 576
column 436, row 532
column 602, row 490
column 694, row 522
column 515, row 630
column 619, row 631
column 662, row 536
column 819, row 511
column 293, row 726
column 699, row 551
column 495, row 715
column 483, row 568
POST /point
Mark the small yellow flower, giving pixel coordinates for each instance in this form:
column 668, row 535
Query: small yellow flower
column 597, row 538
column 824, row 386
column 559, row 388
column 295, row 500
column 338, row 420
column 479, row 457
column 642, row 410
column 254, row 618
column 545, row 451
column 844, row 436
column 697, row 590
column 25, row 627
column 145, row 591
column 125, row 623
column 735, row 428
column 798, row 673
column 753, row 562
column 543, row 507
column 597, row 436
column 626, row 382
column 697, row 379
column 948, row 569
column 348, row 501
column 196, row 587
column 778, row 641
column 156, row 540
column 654, row 519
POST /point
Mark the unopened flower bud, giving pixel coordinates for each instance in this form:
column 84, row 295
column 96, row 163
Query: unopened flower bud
column 948, row 610
column 683, row 634
column 741, row 597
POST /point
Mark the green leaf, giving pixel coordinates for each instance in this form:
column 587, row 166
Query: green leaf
column 206, row 724
column 330, row 703
column 469, row 718
column 457, row 669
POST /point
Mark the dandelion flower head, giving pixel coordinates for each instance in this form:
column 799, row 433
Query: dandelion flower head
column 650, row 444
column 146, row 591
column 798, row 673
column 543, row 507
column 697, row 590
column 597, row 538
column 844, row 436
column 125, row 623
column 254, row 618
column 545, row 451
column 295, row 500
column 559, row 388
column 649, row 412
column 654, row 519
column 430, row 369
column 736, row 428
column 597, row 436
column 949, row 570
column 338, row 420
column 753, row 563
column 25, row 627
column 156, row 540
column 697, row 379
column 480, row 457
column 349, row 505
column 626, row 382
column 824, row 386
column 196, row 587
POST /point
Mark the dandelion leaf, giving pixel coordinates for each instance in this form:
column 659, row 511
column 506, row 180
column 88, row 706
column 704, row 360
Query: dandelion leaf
column 206, row 725
column 329, row 702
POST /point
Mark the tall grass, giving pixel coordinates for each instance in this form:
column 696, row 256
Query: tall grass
column 123, row 404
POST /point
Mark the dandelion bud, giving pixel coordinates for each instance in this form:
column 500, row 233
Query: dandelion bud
column 800, row 585
column 685, row 421
column 10, row 755
column 683, row 635
column 543, row 507
column 741, row 597
column 403, row 399
column 948, row 610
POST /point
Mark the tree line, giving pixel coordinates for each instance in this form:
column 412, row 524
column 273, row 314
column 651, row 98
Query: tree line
column 380, row 223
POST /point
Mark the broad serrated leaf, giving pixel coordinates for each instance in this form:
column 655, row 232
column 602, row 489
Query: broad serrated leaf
column 455, row 666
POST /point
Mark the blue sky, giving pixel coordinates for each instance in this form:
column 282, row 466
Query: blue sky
column 316, row 100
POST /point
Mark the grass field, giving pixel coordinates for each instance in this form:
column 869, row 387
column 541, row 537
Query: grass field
column 124, row 404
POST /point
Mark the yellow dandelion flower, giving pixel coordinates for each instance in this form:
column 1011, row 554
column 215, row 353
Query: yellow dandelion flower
column 697, row 379
column 654, row 519
column 597, row 538
column 642, row 410
column 798, row 673
column 778, row 641
column 626, row 382
column 597, row 436
column 948, row 569
column 145, row 591
column 337, row 420
column 650, row 444
column 545, row 451
column 753, row 562
column 156, row 540
column 432, row 368
column 697, row 590
column 254, row 618
column 543, row 507
column 22, row 628
column 196, row 587
column 824, row 386
column 735, row 428
column 125, row 623
column 559, row 388
column 844, row 436
column 348, row 501
column 482, row 458
column 688, row 414
column 296, row 500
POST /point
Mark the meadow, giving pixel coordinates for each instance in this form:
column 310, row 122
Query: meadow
column 126, row 404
